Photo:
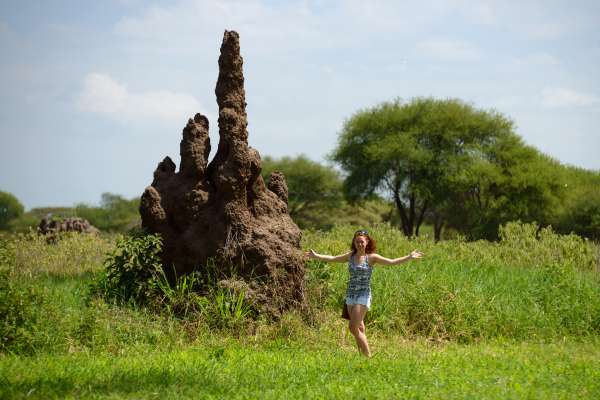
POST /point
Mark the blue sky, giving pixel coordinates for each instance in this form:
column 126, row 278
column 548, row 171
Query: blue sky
column 96, row 93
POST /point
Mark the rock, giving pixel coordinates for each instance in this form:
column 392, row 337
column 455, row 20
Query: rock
column 223, row 209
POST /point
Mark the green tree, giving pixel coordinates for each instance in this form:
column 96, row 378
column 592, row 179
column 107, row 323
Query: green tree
column 580, row 211
column 314, row 190
column 10, row 209
column 441, row 160
column 114, row 214
column 505, row 182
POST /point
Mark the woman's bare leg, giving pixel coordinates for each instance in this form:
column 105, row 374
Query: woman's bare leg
column 357, row 327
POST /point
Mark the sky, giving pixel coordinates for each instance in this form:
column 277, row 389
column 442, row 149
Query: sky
column 96, row 93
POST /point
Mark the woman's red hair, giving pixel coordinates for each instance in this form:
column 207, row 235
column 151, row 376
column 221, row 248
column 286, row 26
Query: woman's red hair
column 371, row 245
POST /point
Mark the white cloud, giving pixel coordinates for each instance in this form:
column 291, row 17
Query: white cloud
column 192, row 24
column 562, row 97
column 451, row 50
column 102, row 94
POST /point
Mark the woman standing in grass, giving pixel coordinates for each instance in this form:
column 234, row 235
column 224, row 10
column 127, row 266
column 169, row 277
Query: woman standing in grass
column 361, row 260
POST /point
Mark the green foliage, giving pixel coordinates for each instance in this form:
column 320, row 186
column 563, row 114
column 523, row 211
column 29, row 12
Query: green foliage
column 179, row 298
column 530, row 284
column 19, row 305
column 314, row 190
column 134, row 275
column 528, row 305
column 131, row 269
column 580, row 211
column 315, row 197
column 226, row 369
column 115, row 214
column 72, row 255
column 10, row 209
column 446, row 162
column 524, row 245
column 226, row 309
column 31, row 219
column 516, row 183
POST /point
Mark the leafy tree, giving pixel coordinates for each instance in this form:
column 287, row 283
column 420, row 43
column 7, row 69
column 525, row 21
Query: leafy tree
column 580, row 211
column 442, row 160
column 10, row 208
column 510, row 181
column 314, row 190
column 114, row 214
column 315, row 195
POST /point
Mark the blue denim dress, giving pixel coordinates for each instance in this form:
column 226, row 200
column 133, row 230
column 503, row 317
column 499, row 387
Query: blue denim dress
column 359, row 284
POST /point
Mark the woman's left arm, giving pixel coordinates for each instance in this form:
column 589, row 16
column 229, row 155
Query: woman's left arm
column 377, row 259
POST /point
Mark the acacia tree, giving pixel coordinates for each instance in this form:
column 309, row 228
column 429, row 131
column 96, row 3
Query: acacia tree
column 430, row 156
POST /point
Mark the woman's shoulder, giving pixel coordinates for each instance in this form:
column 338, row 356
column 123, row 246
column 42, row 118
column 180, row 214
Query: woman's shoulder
column 372, row 258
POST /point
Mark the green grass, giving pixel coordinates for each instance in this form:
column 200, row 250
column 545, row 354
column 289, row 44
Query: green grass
column 514, row 319
column 233, row 370
column 519, row 288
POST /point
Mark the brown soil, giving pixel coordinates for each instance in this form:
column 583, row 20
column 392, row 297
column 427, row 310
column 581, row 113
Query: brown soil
column 223, row 209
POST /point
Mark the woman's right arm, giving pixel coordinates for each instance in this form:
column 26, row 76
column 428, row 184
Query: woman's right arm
column 341, row 258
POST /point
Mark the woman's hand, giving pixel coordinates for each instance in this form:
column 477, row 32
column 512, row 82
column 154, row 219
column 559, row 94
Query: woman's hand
column 311, row 254
column 415, row 254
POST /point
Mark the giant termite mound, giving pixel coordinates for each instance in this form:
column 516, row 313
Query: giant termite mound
column 223, row 209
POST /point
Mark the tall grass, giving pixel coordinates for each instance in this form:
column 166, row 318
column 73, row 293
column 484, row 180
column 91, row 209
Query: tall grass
column 521, row 287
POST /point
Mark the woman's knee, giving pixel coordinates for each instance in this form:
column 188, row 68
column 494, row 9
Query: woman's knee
column 354, row 328
column 361, row 327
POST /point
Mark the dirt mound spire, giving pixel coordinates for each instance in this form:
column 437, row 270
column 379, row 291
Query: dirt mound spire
column 224, row 209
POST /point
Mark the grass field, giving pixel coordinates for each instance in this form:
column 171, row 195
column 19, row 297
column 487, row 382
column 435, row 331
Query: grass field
column 399, row 369
column 514, row 319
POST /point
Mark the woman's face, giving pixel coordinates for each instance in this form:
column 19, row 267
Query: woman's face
column 360, row 242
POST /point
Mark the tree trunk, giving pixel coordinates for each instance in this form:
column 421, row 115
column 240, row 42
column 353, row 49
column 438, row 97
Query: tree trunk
column 438, row 224
column 420, row 219
column 403, row 218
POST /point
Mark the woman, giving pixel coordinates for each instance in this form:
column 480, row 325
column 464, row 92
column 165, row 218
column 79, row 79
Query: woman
column 361, row 260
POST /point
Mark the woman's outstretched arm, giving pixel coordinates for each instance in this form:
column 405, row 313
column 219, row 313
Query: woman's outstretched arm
column 377, row 259
column 341, row 258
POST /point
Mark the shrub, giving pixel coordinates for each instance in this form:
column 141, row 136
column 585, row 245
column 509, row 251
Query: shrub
column 131, row 270
column 134, row 274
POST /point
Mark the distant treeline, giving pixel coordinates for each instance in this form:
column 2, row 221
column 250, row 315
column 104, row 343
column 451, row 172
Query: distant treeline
column 317, row 201
column 115, row 214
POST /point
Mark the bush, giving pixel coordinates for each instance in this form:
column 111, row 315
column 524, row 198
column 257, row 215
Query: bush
column 131, row 270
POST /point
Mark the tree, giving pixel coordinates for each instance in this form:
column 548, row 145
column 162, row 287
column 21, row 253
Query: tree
column 507, row 181
column 438, row 160
column 580, row 211
column 10, row 208
column 314, row 190
column 114, row 214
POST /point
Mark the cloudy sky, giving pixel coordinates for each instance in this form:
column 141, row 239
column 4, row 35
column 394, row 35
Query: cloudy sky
column 95, row 93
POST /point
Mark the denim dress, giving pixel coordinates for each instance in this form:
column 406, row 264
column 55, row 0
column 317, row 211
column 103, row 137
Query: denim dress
column 359, row 284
